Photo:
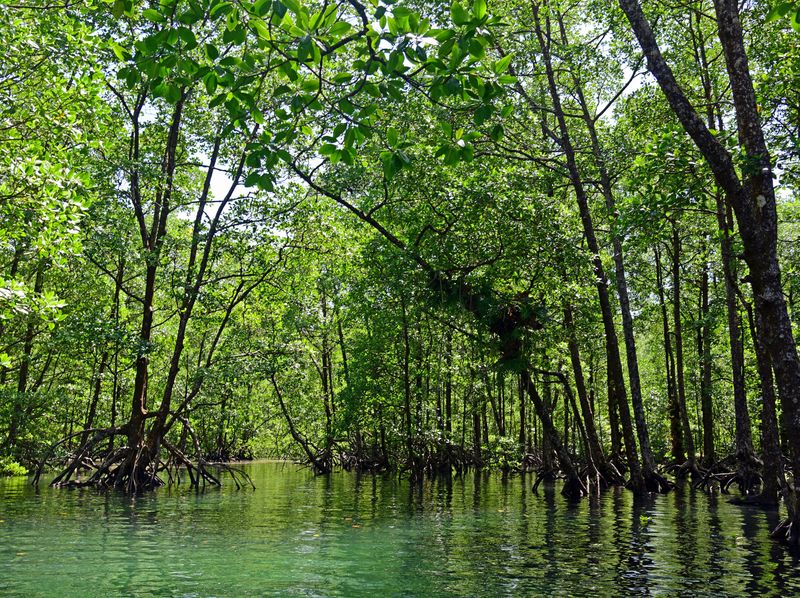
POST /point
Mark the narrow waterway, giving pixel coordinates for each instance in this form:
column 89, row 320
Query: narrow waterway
column 345, row 535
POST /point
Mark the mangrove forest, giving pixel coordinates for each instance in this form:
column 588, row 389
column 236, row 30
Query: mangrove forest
column 551, row 242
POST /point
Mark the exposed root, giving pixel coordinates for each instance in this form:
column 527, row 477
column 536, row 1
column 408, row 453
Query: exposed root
column 543, row 475
column 610, row 475
column 727, row 472
column 138, row 468
column 688, row 469
column 655, row 482
column 574, row 488
column 788, row 532
column 530, row 462
column 618, row 463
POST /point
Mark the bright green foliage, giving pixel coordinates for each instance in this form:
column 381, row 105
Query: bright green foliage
column 360, row 194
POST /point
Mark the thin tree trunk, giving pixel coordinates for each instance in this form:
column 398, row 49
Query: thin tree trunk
column 574, row 486
column 773, row 475
column 704, row 353
column 620, row 279
column 411, row 461
column 594, row 447
column 25, row 364
column 676, row 435
column 617, row 394
column 688, row 439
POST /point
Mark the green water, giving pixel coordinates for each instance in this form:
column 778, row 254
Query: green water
column 342, row 535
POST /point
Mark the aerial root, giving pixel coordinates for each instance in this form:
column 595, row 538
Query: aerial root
column 543, row 474
column 574, row 488
column 687, row 469
column 133, row 468
column 610, row 475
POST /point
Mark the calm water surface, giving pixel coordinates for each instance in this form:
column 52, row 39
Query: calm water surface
column 342, row 535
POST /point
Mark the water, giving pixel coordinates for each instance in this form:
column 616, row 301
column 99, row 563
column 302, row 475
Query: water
column 301, row 535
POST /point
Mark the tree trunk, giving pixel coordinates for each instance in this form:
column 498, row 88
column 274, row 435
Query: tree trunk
column 25, row 365
column 616, row 383
column 753, row 200
column 574, row 486
column 679, row 379
column 594, row 447
column 773, row 476
column 676, row 436
column 629, row 337
column 407, row 424
column 704, row 353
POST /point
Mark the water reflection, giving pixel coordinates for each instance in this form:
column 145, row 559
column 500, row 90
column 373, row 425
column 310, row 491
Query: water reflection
column 347, row 535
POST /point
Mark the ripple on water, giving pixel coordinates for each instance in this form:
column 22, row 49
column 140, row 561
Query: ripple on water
column 344, row 535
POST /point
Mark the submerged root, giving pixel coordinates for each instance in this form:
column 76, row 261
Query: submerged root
column 655, row 482
column 687, row 469
column 574, row 488
column 788, row 532
column 543, row 474
column 610, row 475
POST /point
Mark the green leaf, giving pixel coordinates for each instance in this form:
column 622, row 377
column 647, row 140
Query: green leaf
column 340, row 78
column 265, row 183
column 796, row 21
column 153, row 16
column 388, row 164
column 479, row 8
column 171, row 93
column 392, row 136
column 476, row 49
column 501, row 66
column 187, row 37
column 779, row 10
column 118, row 9
column 311, row 85
column 497, row 132
column 482, row 114
column 210, row 81
column 292, row 5
column 452, row 156
column 121, row 53
column 235, row 36
column 261, row 7
column 459, row 14
column 340, row 28
column 211, row 52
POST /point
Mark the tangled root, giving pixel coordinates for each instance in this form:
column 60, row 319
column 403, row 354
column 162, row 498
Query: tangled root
column 688, row 469
column 655, row 482
column 133, row 468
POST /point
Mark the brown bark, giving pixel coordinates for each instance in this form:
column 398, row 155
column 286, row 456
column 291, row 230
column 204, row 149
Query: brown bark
column 594, row 447
column 25, row 364
column 773, row 479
